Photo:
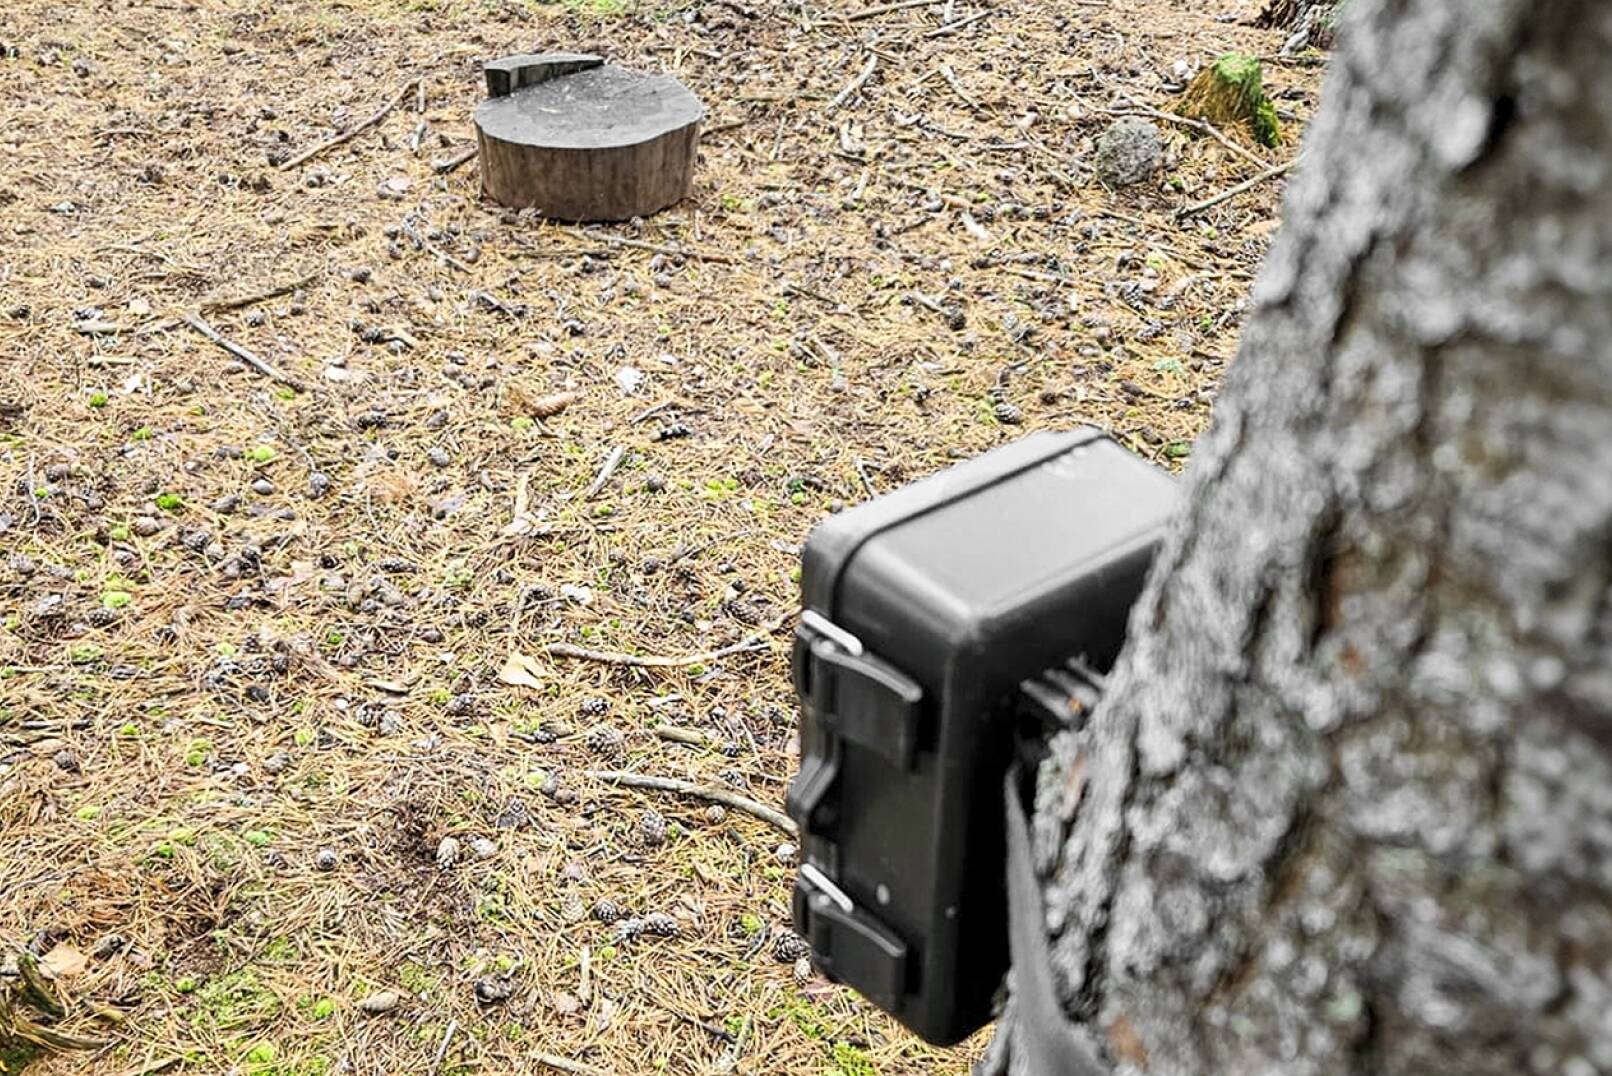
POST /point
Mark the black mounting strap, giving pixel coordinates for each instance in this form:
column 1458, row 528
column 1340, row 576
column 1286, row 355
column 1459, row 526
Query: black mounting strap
column 1048, row 1042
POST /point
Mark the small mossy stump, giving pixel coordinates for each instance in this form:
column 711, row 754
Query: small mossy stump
column 1230, row 93
column 578, row 139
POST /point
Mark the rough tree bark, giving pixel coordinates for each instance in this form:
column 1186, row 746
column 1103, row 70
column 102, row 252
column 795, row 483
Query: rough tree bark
column 1347, row 807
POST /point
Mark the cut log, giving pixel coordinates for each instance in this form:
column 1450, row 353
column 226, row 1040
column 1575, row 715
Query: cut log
column 579, row 139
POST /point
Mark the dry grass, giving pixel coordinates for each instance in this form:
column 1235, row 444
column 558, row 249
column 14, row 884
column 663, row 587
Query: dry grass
column 205, row 687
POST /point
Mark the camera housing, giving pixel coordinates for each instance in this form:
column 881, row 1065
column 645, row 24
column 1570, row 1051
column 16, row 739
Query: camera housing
column 924, row 610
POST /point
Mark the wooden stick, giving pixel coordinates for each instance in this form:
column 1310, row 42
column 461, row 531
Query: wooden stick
column 855, row 84
column 682, row 736
column 885, row 9
column 258, row 296
column 1232, row 192
column 950, row 76
column 655, row 248
column 564, row 1064
column 780, row 821
column 453, row 1025
column 357, row 129
column 611, row 462
column 447, row 164
column 610, row 657
column 268, row 370
column 953, row 27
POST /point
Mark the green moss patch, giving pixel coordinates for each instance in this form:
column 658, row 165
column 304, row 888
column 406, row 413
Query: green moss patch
column 1230, row 93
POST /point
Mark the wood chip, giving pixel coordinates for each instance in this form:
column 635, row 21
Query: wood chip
column 63, row 962
column 520, row 670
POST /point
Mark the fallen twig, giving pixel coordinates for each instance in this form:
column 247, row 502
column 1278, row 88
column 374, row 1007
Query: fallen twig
column 610, row 657
column 443, row 165
column 855, row 84
column 258, row 296
column 162, row 1064
column 655, row 248
column 730, row 1057
column 611, row 462
column 885, row 9
column 268, row 370
column 726, row 797
column 950, row 76
column 565, row 1064
column 356, row 129
column 953, row 27
column 862, row 473
column 1231, row 192
column 447, row 1037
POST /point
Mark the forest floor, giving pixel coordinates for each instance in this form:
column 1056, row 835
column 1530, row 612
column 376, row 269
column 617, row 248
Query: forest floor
column 290, row 781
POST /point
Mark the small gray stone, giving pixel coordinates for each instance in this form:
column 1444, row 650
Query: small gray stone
column 447, row 852
column 109, row 946
column 438, row 456
column 318, row 484
column 327, row 859
column 263, row 487
column 66, row 761
column 1128, row 152
column 146, row 526
column 483, row 848
column 277, row 762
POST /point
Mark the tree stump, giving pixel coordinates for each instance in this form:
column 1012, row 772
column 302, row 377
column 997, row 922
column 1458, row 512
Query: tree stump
column 579, row 139
column 1231, row 93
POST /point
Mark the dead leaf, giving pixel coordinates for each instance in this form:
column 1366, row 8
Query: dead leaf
column 521, row 671
column 63, row 962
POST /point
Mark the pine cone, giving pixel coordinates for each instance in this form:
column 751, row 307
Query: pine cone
column 788, row 947
column 652, row 828
column 605, row 740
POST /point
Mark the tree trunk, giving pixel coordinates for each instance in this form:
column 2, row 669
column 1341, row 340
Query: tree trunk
column 1347, row 807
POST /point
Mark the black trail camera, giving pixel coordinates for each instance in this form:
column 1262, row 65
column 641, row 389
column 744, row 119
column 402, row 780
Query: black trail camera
column 931, row 618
